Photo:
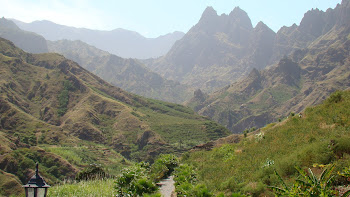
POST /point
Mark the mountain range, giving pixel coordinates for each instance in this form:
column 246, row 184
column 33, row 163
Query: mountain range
column 128, row 74
column 121, row 42
column 57, row 112
column 219, row 50
column 53, row 110
column 305, row 77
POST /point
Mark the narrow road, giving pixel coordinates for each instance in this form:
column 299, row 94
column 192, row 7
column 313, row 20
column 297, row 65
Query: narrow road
column 167, row 188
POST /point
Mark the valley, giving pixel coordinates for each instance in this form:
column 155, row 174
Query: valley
column 226, row 109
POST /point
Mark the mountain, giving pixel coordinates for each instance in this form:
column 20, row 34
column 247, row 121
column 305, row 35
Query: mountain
column 128, row 74
column 121, row 42
column 54, row 112
column 217, row 51
column 304, row 78
column 27, row 41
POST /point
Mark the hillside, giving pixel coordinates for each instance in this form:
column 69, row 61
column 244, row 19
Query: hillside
column 128, row 74
column 57, row 113
column 28, row 41
column 304, row 78
column 236, row 164
column 121, row 42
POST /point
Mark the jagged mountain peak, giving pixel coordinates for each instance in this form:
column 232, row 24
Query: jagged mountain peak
column 237, row 15
column 237, row 11
column 209, row 12
column 263, row 27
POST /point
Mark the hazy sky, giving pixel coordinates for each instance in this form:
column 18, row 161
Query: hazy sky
column 152, row 18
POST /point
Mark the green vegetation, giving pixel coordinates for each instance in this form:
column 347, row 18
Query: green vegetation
column 140, row 178
column 321, row 137
column 310, row 186
column 98, row 187
column 63, row 98
column 20, row 161
column 61, row 112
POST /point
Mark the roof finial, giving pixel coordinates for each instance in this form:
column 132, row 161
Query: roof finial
column 37, row 168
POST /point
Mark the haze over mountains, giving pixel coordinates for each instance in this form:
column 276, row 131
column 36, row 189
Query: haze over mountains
column 129, row 74
column 74, row 106
column 216, row 52
column 306, row 77
column 121, row 42
column 27, row 41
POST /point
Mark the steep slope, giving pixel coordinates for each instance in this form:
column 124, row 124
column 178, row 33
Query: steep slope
column 128, row 74
column 306, row 78
column 27, row 41
column 57, row 113
column 320, row 138
column 121, row 42
column 217, row 51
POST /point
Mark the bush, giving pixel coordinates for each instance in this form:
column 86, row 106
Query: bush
column 336, row 97
column 164, row 166
column 201, row 190
column 135, row 181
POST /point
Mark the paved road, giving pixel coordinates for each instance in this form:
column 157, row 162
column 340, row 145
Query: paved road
column 167, row 187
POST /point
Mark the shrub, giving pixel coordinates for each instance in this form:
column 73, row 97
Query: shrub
column 164, row 166
column 335, row 97
column 201, row 190
column 135, row 181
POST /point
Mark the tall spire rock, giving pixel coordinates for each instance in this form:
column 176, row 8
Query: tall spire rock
column 240, row 17
column 208, row 13
column 239, row 27
column 209, row 20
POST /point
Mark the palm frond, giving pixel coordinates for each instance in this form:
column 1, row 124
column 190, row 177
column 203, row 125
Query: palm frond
column 346, row 194
column 304, row 174
column 281, row 180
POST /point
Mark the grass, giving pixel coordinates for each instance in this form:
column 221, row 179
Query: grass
column 321, row 136
column 92, row 188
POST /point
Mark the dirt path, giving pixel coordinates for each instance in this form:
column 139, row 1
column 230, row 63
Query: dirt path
column 167, row 188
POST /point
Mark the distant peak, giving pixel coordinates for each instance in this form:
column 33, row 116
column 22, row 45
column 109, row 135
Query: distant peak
column 209, row 12
column 261, row 25
column 237, row 11
column 239, row 16
column 7, row 23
